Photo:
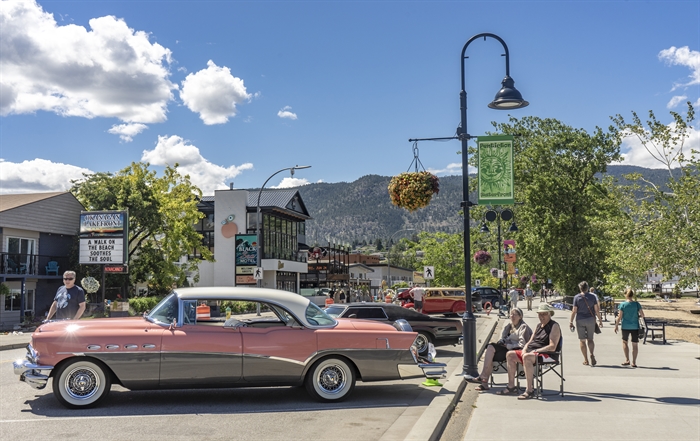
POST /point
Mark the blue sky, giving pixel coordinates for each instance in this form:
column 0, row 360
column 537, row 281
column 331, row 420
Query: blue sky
column 234, row 91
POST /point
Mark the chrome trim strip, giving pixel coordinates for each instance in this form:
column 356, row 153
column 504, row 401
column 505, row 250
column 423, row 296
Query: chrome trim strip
column 148, row 346
column 386, row 341
column 111, row 346
column 131, row 346
column 94, row 347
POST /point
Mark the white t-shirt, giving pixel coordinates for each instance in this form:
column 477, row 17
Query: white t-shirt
column 418, row 295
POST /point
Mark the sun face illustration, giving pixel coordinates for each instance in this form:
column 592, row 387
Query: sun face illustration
column 494, row 169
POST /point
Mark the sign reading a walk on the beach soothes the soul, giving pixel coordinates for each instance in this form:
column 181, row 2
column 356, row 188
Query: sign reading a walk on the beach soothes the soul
column 102, row 237
column 495, row 178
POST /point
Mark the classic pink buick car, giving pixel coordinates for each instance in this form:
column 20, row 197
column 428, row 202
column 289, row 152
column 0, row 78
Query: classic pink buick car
column 189, row 341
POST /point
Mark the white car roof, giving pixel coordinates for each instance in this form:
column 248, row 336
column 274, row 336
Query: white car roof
column 294, row 302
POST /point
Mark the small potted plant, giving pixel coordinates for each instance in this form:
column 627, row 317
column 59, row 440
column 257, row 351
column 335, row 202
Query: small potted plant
column 90, row 285
column 413, row 190
column 482, row 257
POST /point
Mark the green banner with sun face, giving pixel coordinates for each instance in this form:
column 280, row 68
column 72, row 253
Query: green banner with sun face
column 495, row 178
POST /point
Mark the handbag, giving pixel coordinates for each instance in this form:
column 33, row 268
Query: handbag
column 641, row 322
column 597, row 328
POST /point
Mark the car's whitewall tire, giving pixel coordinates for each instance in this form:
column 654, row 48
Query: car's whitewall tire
column 81, row 383
column 330, row 379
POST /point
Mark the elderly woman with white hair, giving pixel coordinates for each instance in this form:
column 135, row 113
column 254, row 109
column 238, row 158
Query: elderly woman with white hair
column 514, row 336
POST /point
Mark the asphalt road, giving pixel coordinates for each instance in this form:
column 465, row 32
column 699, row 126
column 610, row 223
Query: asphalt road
column 284, row 413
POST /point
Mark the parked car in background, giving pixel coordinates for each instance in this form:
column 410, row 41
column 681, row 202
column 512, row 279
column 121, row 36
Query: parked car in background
column 488, row 294
column 448, row 301
column 435, row 330
column 180, row 345
column 315, row 296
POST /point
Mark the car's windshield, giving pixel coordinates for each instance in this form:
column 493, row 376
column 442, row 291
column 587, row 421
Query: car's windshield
column 317, row 317
column 166, row 311
column 334, row 311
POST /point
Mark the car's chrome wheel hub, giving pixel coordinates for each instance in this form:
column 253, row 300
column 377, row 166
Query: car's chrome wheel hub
column 421, row 343
column 82, row 383
column 332, row 379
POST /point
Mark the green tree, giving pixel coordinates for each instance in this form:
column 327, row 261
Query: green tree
column 162, row 214
column 659, row 229
column 445, row 252
column 556, row 176
column 378, row 245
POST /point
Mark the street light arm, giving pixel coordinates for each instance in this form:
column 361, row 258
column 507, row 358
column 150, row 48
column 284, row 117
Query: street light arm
column 484, row 35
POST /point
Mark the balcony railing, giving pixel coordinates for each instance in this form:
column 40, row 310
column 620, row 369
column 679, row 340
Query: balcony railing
column 12, row 264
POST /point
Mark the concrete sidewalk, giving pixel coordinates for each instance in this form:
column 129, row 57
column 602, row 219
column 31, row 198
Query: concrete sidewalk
column 14, row 340
column 658, row 400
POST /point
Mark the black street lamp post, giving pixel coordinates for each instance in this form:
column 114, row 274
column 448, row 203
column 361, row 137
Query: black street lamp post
column 498, row 215
column 507, row 98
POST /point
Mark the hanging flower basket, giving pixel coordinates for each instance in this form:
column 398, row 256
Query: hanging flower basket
column 482, row 257
column 524, row 279
column 413, row 190
column 90, row 285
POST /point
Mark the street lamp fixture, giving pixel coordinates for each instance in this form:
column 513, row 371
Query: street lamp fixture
column 257, row 213
column 388, row 267
column 506, row 99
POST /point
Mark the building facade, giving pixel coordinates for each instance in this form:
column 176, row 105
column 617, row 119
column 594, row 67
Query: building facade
column 229, row 231
column 37, row 233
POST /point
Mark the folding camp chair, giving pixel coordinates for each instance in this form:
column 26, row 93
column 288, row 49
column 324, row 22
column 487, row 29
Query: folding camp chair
column 543, row 367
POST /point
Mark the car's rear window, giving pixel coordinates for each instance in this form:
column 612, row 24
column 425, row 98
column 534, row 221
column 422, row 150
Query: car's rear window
column 373, row 313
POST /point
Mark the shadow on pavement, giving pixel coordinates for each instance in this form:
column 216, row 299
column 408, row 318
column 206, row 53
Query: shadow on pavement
column 664, row 368
column 624, row 397
column 233, row 401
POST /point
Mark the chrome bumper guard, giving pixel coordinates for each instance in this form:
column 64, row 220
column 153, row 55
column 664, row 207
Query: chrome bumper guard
column 31, row 373
column 433, row 370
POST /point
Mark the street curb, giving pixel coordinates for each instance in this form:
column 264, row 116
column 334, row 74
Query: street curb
column 441, row 407
column 13, row 346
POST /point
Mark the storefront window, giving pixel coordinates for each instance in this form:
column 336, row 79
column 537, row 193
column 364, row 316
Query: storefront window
column 12, row 300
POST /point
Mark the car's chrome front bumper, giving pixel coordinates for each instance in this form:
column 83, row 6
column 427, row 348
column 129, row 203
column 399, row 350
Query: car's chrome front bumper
column 30, row 372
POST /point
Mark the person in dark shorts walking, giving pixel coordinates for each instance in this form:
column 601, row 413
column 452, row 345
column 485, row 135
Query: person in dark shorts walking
column 628, row 315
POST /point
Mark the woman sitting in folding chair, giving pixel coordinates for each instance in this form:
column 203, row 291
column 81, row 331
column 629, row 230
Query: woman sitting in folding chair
column 514, row 336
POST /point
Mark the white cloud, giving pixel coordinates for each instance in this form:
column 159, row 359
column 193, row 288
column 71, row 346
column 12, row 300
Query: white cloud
column 291, row 182
column 683, row 56
column 127, row 131
column 454, row 168
column 207, row 176
column 286, row 112
column 38, row 175
column 634, row 152
column 107, row 71
column 675, row 101
column 213, row 93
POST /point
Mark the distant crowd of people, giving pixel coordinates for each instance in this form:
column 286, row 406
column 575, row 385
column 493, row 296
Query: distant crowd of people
column 343, row 295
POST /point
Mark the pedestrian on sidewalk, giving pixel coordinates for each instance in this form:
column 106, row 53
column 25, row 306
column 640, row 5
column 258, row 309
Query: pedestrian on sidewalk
column 514, row 336
column 418, row 299
column 514, row 296
column 69, row 302
column 585, row 310
column 628, row 315
column 529, row 294
column 545, row 339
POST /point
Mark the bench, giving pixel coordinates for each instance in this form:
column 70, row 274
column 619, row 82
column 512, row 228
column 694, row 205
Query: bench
column 654, row 326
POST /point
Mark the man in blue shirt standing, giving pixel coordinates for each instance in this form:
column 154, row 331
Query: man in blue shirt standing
column 69, row 302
